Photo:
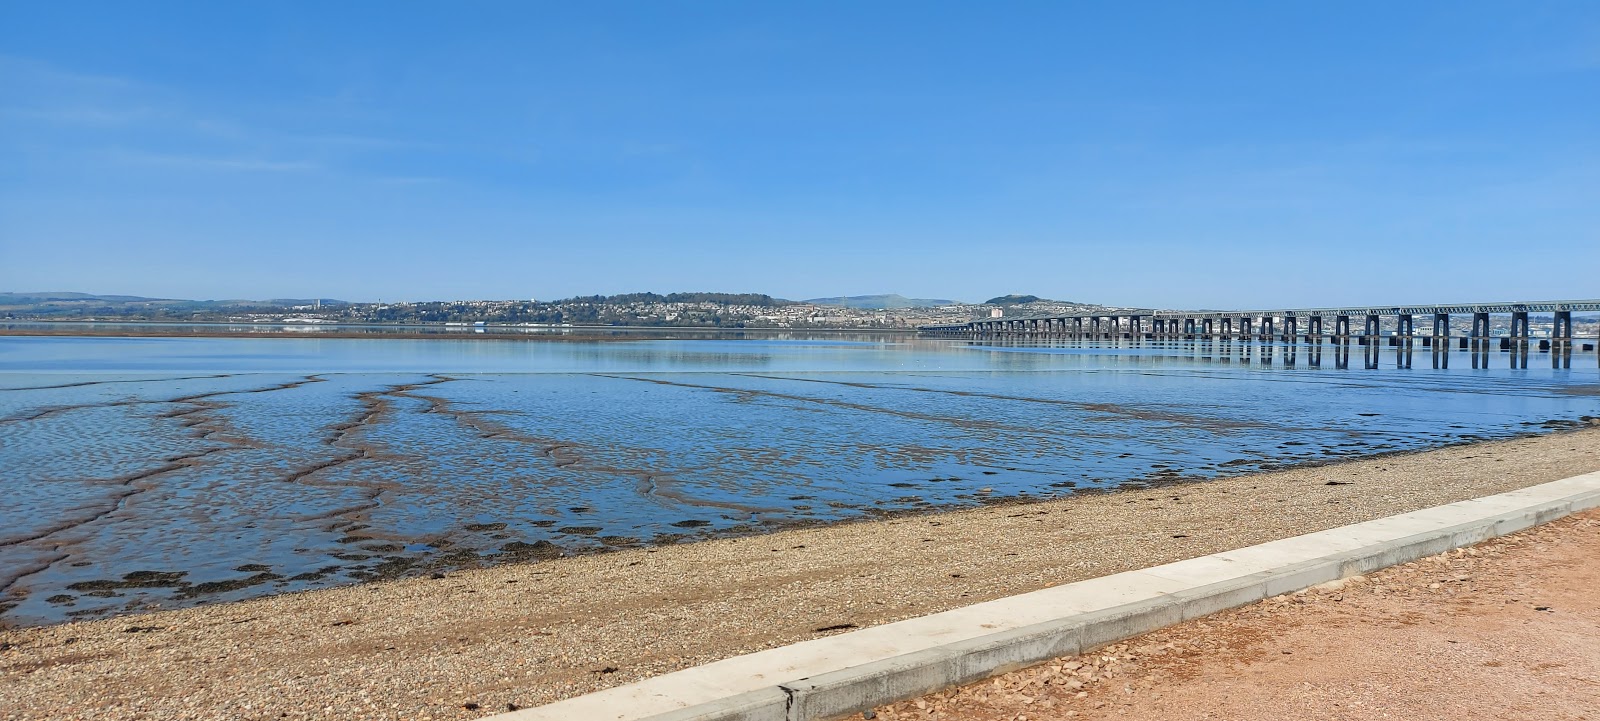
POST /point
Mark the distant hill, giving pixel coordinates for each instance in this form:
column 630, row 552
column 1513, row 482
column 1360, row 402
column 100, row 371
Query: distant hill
column 881, row 302
column 70, row 303
column 1013, row 300
column 47, row 296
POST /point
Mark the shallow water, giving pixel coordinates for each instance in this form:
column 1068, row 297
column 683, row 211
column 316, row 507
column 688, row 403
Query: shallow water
column 154, row 472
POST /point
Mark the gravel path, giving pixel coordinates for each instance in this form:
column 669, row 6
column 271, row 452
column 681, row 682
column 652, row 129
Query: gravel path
column 1509, row 629
column 479, row 642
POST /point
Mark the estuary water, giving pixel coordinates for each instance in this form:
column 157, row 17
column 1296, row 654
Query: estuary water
column 155, row 472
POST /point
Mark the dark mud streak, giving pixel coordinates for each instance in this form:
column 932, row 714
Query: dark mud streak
column 47, row 411
column 341, row 512
column 375, row 404
column 205, row 428
column 98, row 383
column 174, row 463
column 566, row 455
column 21, row 573
column 967, row 423
column 313, row 378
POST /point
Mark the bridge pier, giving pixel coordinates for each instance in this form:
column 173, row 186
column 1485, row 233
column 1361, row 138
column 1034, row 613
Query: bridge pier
column 1563, row 325
column 1519, row 326
column 1520, row 334
column 1291, row 329
column 1561, row 334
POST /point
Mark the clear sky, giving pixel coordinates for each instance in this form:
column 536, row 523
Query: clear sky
column 1183, row 154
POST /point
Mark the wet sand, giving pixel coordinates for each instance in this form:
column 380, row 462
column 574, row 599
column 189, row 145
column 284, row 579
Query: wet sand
column 1508, row 629
column 477, row 642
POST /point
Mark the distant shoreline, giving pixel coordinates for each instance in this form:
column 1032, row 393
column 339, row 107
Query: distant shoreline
column 162, row 329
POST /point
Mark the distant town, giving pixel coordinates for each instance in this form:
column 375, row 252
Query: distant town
column 671, row 310
column 704, row 310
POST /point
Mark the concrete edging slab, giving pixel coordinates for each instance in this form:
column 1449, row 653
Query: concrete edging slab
column 838, row 675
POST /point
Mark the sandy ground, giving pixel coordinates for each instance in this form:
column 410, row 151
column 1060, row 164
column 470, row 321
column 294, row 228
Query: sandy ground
column 1509, row 629
column 479, row 642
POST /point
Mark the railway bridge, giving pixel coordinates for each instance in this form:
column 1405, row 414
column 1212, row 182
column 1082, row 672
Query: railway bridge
column 1311, row 325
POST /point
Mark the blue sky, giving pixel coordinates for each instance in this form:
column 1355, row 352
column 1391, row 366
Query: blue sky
column 1158, row 154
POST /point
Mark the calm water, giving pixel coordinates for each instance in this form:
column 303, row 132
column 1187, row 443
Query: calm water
column 140, row 472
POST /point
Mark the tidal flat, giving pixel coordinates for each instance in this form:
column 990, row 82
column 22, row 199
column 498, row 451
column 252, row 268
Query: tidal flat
column 153, row 473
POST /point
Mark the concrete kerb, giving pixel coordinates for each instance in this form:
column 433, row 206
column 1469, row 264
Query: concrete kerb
column 839, row 675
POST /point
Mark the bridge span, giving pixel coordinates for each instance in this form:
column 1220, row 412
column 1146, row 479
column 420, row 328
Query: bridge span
column 1311, row 325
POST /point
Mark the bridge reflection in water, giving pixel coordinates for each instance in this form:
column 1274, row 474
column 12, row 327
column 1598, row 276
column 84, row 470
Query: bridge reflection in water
column 1270, row 327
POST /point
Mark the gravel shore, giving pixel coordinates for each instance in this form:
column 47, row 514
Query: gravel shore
column 480, row 642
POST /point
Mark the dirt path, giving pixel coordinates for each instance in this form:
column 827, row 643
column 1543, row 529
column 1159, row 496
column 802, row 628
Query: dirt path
column 1509, row 629
column 478, row 642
